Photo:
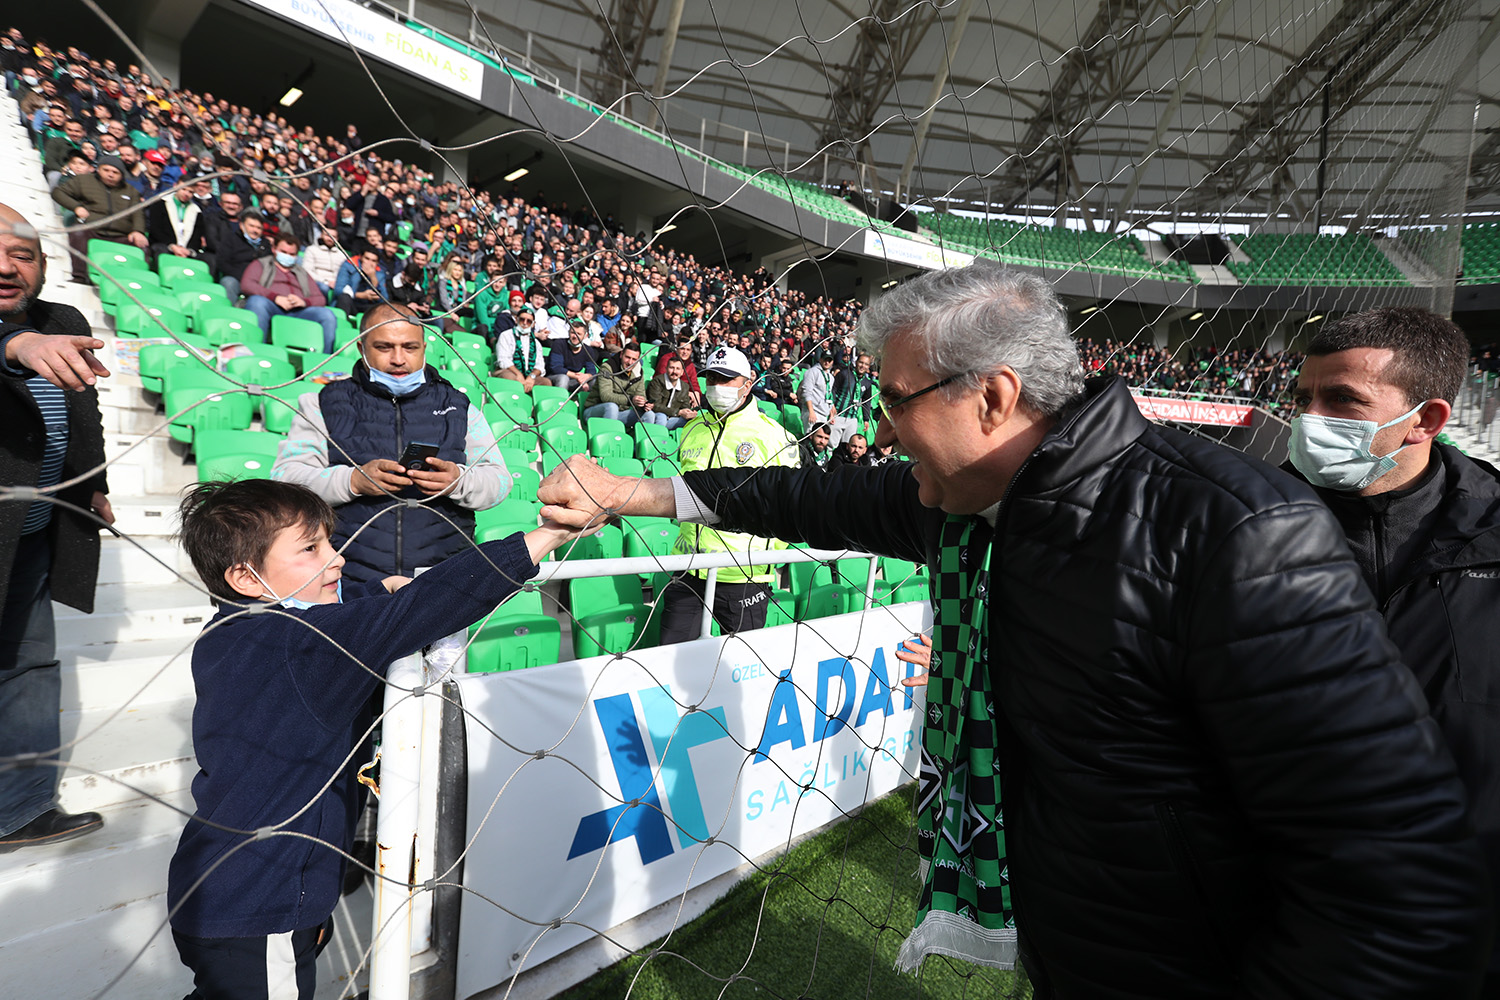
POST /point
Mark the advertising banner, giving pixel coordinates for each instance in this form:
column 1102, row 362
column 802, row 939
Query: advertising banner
column 900, row 250
column 377, row 35
column 601, row 788
column 1195, row 411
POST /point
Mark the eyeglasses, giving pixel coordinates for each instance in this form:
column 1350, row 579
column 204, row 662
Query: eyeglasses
column 889, row 405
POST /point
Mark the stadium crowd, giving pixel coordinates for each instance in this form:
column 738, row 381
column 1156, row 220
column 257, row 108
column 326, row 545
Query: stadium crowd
column 371, row 227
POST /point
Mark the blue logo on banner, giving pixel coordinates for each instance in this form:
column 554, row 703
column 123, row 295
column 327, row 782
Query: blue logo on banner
column 640, row 815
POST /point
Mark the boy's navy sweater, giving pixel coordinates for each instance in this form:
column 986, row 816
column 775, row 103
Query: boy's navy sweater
column 280, row 710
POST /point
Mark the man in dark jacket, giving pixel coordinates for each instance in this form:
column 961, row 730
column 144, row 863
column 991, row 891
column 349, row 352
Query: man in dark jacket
column 1217, row 780
column 345, row 441
column 176, row 225
column 1425, row 532
column 102, row 195
column 47, row 551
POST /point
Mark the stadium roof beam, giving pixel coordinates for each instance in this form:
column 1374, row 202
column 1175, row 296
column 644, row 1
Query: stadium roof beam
column 1463, row 73
column 664, row 63
column 1094, row 73
column 1164, row 120
column 626, row 28
column 883, row 49
column 1341, row 59
column 939, row 84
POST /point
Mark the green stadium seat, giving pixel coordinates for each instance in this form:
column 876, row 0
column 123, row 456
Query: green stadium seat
column 612, row 630
column 605, row 425
column 229, row 325
column 561, row 442
column 611, row 444
column 128, row 281
column 515, row 458
column 212, row 444
column 524, row 482
column 180, row 272
column 194, row 298
column 664, row 467
column 148, row 318
column 556, row 412
column 296, row 334
column 634, row 468
column 276, row 417
column 156, row 359
column 197, row 409
column 654, row 537
column 781, row 609
column 261, row 371
column 516, row 635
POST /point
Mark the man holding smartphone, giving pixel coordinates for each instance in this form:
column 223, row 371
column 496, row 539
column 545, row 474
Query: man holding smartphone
column 395, row 431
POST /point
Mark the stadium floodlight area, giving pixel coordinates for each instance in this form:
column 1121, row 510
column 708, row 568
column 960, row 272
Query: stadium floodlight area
column 1205, row 184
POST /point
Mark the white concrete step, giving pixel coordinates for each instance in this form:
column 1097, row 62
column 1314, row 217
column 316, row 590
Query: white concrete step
column 117, row 673
column 143, row 515
column 126, row 861
column 148, row 560
column 125, row 614
column 116, row 755
column 150, row 463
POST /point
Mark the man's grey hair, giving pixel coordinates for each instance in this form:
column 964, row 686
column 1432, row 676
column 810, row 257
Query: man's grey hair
column 975, row 320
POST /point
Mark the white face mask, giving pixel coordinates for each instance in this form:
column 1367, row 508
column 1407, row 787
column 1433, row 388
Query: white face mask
column 294, row 603
column 722, row 398
column 1334, row 452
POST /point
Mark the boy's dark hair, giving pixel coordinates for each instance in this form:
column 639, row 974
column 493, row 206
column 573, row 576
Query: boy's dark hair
column 1431, row 353
column 223, row 524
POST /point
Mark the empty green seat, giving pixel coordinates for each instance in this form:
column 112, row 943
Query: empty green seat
column 297, row 334
column 180, row 272
column 261, row 371
column 156, row 359
column 197, row 409
column 229, row 326
column 610, row 444
column 634, row 468
column 561, row 442
column 524, row 482
column 605, row 425
column 516, row 635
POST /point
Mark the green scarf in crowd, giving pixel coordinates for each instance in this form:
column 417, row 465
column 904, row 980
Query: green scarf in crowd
column 964, row 911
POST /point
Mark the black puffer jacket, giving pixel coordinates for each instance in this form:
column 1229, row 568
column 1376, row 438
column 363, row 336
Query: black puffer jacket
column 1442, row 609
column 1218, row 779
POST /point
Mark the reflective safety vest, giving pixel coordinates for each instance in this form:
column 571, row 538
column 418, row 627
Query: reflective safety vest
column 746, row 437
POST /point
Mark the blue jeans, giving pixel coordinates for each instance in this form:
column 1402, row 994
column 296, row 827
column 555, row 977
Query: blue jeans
column 30, row 686
column 613, row 411
column 264, row 309
column 231, row 288
column 669, row 422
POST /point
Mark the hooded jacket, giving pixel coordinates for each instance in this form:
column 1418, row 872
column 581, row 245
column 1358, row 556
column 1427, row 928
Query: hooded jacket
column 1218, row 779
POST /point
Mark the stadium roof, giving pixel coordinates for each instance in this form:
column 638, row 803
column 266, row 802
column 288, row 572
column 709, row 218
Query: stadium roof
column 1113, row 107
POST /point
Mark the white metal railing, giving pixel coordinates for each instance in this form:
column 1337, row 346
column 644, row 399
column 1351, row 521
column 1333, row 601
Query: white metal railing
column 406, row 827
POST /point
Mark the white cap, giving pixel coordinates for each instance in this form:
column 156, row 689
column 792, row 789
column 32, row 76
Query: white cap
column 726, row 362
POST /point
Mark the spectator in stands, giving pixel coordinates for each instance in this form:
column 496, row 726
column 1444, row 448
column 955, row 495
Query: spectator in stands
column 670, row 399
column 344, row 445
column 518, row 353
column 452, row 293
column 815, row 391
column 370, row 206
column 223, row 219
column 277, row 286
column 411, row 285
column 730, row 432
column 574, row 364
column 1422, row 519
column 323, row 260
column 1157, row 707
column 684, row 353
column 57, row 149
column 360, row 285
column 851, row 452
column 105, row 195
column 619, row 389
column 815, row 447
column 153, row 179
column 776, row 384
column 48, row 552
column 175, row 225
column 490, row 304
column 843, row 397
column 240, row 247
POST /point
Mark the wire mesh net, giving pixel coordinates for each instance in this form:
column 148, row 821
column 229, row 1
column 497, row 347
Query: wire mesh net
column 1201, row 182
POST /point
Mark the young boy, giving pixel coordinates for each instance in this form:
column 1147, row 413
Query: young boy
column 284, row 675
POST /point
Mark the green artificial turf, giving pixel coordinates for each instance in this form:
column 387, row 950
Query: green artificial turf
column 822, row 922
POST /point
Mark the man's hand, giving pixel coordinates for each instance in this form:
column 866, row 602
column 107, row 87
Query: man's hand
column 916, row 651
column 367, row 294
column 179, row 250
column 80, row 213
column 138, row 239
column 377, row 477
column 66, row 362
column 297, row 302
column 99, row 504
column 527, row 383
column 438, row 480
column 638, row 401
column 577, row 493
column 770, row 393
column 283, row 302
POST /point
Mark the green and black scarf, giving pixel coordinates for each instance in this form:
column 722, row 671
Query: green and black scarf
column 965, row 910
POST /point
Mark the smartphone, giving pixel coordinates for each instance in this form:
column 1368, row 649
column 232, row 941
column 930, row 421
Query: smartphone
column 416, row 455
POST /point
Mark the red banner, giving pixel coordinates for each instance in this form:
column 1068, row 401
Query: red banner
column 1194, row 411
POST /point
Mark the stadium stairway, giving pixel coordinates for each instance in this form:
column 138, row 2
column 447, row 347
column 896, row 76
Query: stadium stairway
column 79, row 916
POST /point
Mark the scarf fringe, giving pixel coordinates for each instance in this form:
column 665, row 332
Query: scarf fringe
column 957, row 937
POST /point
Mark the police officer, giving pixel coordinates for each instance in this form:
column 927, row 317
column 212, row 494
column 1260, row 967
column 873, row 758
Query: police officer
column 730, row 431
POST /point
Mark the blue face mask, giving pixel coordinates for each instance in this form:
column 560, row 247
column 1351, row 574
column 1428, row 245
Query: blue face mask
column 285, row 259
column 292, row 602
column 403, row 386
column 1334, row 452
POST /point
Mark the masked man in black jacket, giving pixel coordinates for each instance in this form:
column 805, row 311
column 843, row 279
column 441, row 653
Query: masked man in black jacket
column 1156, row 653
column 1422, row 518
